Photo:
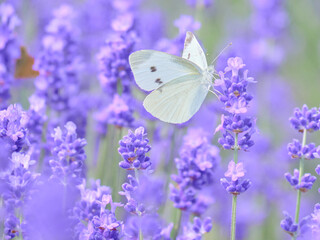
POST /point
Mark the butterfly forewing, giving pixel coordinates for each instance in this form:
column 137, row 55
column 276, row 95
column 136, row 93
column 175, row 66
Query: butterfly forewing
column 194, row 52
column 177, row 101
column 152, row 69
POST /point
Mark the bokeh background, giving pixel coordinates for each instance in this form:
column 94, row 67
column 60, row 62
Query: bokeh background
column 278, row 40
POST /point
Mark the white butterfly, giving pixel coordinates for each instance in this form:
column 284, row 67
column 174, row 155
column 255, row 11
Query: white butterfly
column 179, row 84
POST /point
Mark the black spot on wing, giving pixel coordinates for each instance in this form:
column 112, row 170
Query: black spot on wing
column 158, row 80
column 188, row 56
column 153, row 69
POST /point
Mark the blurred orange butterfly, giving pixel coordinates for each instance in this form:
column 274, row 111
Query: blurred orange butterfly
column 24, row 65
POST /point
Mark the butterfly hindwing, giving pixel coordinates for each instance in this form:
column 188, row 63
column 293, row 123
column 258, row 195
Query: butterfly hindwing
column 177, row 101
column 194, row 52
column 152, row 69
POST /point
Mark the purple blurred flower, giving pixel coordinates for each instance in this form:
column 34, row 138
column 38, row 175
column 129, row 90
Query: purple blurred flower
column 151, row 226
column 118, row 113
column 9, row 50
column 315, row 222
column 196, row 230
column 306, row 183
column 47, row 213
column 196, row 164
column 198, row 159
column 133, row 149
column 186, row 23
column 305, row 119
column 196, row 3
column 115, row 72
column 69, row 154
column 175, row 46
column 59, row 62
column 318, row 169
column 145, row 197
column 37, row 117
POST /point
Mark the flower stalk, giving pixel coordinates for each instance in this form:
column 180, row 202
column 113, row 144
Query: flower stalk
column 234, row 197
column 301, row 171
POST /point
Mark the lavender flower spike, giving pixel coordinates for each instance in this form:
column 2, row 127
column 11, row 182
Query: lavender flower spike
column 133, row 149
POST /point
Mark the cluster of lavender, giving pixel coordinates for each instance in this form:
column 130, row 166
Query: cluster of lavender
column 305, row 121
column 9, row 50
column 58, row 62
column 196, row 165
column 236, row 129
column 140, row 203
column 94, row 220
column 115, row 74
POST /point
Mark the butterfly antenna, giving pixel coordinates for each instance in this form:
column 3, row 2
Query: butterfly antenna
column 226, row 47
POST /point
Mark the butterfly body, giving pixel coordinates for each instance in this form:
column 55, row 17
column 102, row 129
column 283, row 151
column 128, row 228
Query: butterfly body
column 179, row 85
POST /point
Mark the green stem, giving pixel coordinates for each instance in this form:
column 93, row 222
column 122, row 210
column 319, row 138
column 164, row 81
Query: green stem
column 301, row 172
column 177, row 225
column 233, row 217
column 234, row 197
column 136, row 173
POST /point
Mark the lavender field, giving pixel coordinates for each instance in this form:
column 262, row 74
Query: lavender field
column 91, row 150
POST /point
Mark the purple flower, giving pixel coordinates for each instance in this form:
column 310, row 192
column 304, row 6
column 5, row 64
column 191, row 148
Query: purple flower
column 198, row 159
column 69, row 154
column 13, row 123
column 227, row 140
column 94, row 219
column 118, row 113
column 11, row 227
column 175, row 46
column 90, row 203
column 306, row 183
column 294, row 229
column 305, row 119
column 145, row 197
column 133, row 149
column 59, row 62
column 9, row 50
column 235, row 171
column 232, row 86
column 186, row 23
column 235, row 187
column 115, row 72
column 295, row 150
column 182, row 196
column 151, row 226
column 17, row 184
column 196, row 230
column 288, row 225
column 37, row 117
column 318, row 169
column 315, row 222
column 54, row 221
